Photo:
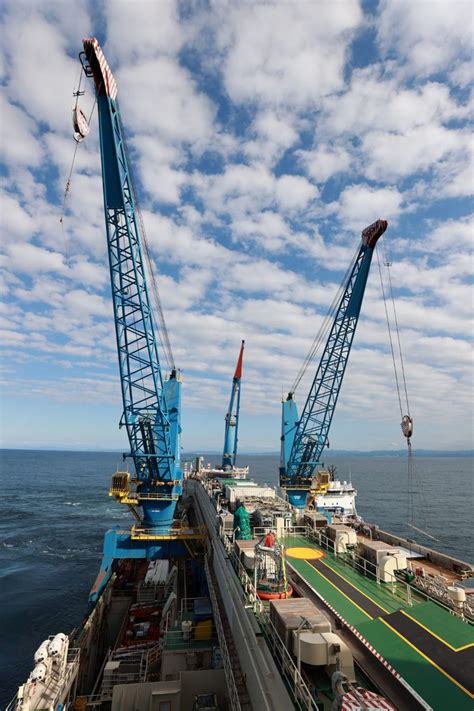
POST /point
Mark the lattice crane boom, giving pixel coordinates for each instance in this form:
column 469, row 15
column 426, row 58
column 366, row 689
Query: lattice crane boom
column 151, row 411
column 303, row 439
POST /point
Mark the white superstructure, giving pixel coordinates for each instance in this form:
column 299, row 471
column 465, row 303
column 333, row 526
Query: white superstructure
column 330, row 495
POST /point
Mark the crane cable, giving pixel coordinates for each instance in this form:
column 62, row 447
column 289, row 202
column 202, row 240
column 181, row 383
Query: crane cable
column 389, row 328
column 68, row 181
column 163, row 331
column 413, row 482
column 322, row 333
column 395, row 319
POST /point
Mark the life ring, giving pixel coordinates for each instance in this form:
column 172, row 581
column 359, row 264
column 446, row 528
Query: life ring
column 275, row 595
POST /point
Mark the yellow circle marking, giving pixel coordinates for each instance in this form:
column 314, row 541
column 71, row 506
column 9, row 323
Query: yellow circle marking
column 305, row 553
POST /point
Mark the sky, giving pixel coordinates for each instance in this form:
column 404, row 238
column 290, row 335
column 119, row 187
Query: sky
column 264, row 136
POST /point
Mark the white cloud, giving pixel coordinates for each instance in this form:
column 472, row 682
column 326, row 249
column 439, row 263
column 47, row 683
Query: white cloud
column 29, row 259
column 159, row 97
column 392, row 155
column 453, row 235
column 16, row 223
column 18, row 143
column 429, row 36
column 225, row 106
column 294, row 192
column 325, row 161
column 360, row 205
column 375, row 102
column 266, row 62
column 141, row 29
column 24, row 40
column 274, row 134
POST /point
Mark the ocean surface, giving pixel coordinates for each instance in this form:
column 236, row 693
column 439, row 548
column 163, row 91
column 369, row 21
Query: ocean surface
column 55, row 509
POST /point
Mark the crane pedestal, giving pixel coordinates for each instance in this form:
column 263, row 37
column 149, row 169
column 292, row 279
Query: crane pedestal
column 146, row 543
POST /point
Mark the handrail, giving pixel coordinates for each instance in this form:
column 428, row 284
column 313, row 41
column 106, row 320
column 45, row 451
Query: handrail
column 396, row 586
column 288, row 669
column 300, row 690
column 229, row 674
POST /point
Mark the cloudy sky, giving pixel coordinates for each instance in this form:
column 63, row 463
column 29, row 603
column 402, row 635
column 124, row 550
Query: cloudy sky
column 264, row 137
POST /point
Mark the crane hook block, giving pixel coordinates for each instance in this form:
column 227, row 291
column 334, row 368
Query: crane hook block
column 407, row 426
column 371, row 233
column 80, row 124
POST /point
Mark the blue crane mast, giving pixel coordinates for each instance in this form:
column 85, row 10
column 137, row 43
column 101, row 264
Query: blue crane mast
column 229, row 455
column 304, row 438
column 151, row 403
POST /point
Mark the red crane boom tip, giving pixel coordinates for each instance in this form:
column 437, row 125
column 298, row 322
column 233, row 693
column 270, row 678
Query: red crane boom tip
column 238, row 370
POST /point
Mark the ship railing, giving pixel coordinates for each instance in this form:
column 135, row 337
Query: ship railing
column 302, row 696
column 284, row 532
column 234, row 700
column 108, row 684
column 408, row 592
column 187, row 604
column 430, row 589
column 248, row 585
column 150, row 594
column 178, row 533
column 13, row 703
column 176, row 637
column 56, row 687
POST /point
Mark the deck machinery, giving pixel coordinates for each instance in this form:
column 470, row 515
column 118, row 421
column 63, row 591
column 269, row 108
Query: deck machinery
column 152, row 404
column 304, row 438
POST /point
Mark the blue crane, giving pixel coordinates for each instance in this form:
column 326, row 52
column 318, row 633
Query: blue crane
column 304, row 438
column 151, row 403
column 229, row 455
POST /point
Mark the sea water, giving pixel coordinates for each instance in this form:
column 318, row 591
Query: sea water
column 55, row 509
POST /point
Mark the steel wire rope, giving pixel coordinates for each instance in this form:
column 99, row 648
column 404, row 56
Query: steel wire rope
column 397, row 330
column 163, row 331
column 414, row 484
column 322, row 333
column 68, row 181
column 387, row 318
column 394, row 362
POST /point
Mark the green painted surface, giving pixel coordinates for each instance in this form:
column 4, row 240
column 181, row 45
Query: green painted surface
column 431, row 683
column 373, row 590
column 442, row 623
column 435, row 688
column 378, row 593
column 340, row 602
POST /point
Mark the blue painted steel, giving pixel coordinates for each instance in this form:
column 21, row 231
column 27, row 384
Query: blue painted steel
column 229, row 455
column 303, row 440
column 118, row 545
column 151, row 412
column 289, row 424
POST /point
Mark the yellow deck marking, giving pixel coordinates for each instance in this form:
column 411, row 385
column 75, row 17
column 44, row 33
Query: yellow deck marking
column 430, row 661
column 339, row 591
column 304, row 553
column 314, row 557
column 433, row 634
column 355, row 588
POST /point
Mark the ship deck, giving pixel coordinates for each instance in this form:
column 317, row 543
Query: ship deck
column 430, row 648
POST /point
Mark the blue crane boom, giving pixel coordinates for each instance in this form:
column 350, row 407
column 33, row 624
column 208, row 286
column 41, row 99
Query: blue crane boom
column 151, row 403
column 303, row 439
column 229, row 455
column 151, row 406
